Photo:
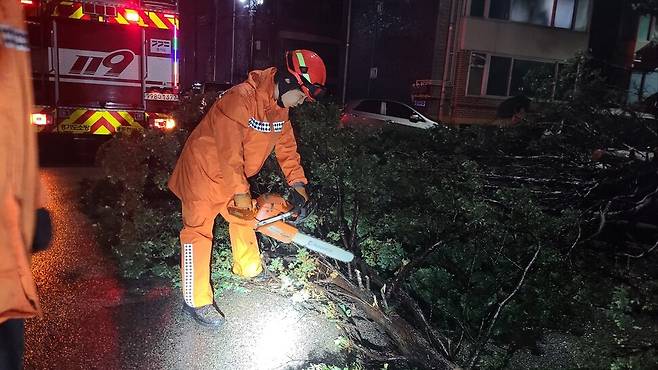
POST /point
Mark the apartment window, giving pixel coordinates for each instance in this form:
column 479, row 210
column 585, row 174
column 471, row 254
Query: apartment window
column 477, row 8
column 645, row 29
column 562, row 85
column 506, row 76
column 499, row 9
column 497, row 82
column 582, row 15
column 635, row 88
column 643, row 85
column 529, row 69
column 476, row 73
column 568, row 14
column 650, row 86
column 564, row 11
column 532, row 11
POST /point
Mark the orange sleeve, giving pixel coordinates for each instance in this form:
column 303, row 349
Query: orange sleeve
column 287, row 156
column 229, row 118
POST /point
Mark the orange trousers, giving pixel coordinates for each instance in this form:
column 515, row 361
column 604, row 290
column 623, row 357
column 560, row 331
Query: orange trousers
column 196, row 243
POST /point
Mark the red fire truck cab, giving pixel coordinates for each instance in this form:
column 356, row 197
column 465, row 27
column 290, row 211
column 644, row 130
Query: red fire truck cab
column 102, row 67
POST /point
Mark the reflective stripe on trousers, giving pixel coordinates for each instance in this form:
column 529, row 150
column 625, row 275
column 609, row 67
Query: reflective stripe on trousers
column 196, row 242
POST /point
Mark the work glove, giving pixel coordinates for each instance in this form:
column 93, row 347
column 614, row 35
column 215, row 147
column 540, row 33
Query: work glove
column 242, row 206
column 300, row 200
column 43, row 231
column 243, row 201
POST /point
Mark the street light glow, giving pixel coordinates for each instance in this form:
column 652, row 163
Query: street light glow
column 251, row 3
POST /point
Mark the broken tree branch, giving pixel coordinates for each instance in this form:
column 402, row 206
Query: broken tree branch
column 406, row 270
column 643, row 254
column 475, row 358
column 355, row 223
column 411, row 344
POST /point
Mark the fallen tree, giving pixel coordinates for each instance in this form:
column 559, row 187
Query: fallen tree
column 471, row 244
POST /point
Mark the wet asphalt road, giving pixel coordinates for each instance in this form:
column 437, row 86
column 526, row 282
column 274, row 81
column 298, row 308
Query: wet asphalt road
column 93, row 320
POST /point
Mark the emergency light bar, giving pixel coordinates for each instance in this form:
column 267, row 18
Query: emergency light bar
column 162, row 19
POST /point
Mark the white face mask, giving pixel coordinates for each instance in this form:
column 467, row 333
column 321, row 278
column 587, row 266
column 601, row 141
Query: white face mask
column 293, row 98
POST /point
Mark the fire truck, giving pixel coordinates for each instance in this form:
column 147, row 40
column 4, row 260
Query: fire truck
column 102, row 67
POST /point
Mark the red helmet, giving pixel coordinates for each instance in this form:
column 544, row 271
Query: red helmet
column 309, row 70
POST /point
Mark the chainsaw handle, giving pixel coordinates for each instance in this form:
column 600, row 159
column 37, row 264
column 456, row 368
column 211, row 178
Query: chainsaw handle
column 242, row 213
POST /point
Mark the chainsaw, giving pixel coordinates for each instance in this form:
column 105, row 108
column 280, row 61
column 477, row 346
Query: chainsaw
column 273, row 216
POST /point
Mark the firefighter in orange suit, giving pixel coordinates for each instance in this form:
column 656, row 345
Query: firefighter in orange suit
column 230, row 145
column 19, row 186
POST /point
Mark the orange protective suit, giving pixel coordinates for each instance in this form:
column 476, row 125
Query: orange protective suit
column 229, row 145
column 18, row 168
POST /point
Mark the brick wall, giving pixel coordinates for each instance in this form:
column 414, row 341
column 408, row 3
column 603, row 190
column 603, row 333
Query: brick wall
column 462, row 109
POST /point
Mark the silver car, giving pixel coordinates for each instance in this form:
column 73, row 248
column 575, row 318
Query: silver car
column 375, row 113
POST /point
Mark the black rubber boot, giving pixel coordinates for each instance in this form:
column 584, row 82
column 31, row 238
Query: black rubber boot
column 205, row 315
column 264, row 277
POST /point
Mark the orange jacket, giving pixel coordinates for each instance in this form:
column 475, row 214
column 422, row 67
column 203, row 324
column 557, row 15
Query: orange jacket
column 18, row 168
column 233, row 141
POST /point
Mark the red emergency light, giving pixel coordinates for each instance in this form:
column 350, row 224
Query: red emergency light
column 27, row 2
column 132, row 15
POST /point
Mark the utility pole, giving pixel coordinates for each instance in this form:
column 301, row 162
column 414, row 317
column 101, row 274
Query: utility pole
column 252, row 7
column 196, row 43
column 373, row 70
column 233, row 46
column 252, row 26
column 347, row 48
column 214, row 45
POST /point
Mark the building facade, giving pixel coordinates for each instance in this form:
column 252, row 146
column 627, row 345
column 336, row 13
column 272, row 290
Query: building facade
column 454, row 60
column 493, row 46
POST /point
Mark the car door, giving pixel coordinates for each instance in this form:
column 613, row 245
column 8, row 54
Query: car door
column 368, row 113
column 398, row 113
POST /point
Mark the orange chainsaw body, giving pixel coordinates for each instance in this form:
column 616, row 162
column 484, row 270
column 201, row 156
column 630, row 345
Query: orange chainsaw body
column 269, row 216
column 266, row 207
column 271, row 205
